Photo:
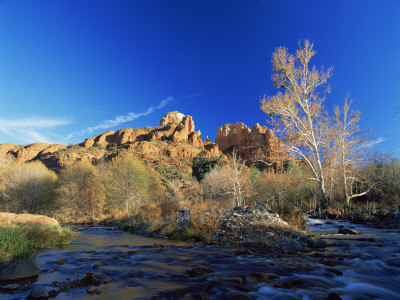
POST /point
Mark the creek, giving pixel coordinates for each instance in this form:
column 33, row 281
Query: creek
column 364, row 266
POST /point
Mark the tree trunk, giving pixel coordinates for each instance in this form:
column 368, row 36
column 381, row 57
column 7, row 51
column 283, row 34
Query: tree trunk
column 323, row 200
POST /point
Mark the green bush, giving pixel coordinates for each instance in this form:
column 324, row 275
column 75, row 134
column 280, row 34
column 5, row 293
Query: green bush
column 18, row 241
column 130, row 184
column 201, row 166
column 80, row 191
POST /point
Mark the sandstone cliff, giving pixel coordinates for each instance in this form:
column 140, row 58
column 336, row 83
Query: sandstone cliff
column 167, row 147
column 257, row 144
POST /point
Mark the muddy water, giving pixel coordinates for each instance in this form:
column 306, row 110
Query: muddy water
column 366, row 266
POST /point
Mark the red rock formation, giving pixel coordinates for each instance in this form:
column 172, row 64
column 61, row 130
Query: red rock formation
column 230, row 135
column 195, row 139
column 259, row 142
column 173, row 118
column 145, row 142
column 212, row 149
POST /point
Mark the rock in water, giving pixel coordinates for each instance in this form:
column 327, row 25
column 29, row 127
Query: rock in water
column 333, row 296
column 238, row 296
column 19, row 269
column 38, row 292
column 347, row 231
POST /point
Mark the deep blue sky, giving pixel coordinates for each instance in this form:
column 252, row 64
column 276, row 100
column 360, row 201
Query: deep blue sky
column 69, row 69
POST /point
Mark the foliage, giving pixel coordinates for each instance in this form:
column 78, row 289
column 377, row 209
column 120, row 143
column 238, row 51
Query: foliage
column 28, row 187
column 186, row 234
column 171, row 173
column 284, row 189
column 229, row 183
column 334, row 147
column 18, row 241
column 130, row 184
column 80, row 191
column 348, row 152
column 297, row 113
column 385, row 172
column 14, row 243
column 201, row 166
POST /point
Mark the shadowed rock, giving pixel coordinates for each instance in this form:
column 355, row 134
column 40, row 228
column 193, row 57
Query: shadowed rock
column 18, row 269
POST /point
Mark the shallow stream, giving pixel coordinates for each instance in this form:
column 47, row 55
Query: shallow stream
column 364, row 266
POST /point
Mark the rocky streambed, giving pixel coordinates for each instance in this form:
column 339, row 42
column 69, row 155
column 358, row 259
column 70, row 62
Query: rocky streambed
column 103, row 263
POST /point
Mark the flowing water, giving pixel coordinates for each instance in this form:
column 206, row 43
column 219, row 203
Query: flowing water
column 364, row 266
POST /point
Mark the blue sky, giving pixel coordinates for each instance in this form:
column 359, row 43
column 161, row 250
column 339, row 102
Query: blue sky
column 73, row 69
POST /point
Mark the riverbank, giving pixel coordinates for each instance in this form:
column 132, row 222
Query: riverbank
column 20, row 241
column 22, row 234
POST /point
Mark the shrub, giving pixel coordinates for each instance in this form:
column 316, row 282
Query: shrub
column 201, row 166
column 28, row 187
column 80, row 191
column 130, row 184
column 292, row 215
column 169, row 207
column 287, row 189
column 149, row 211
column 383, row 175
column 229, row 184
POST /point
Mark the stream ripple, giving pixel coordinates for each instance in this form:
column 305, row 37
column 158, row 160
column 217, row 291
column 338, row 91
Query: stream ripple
column 126, row 266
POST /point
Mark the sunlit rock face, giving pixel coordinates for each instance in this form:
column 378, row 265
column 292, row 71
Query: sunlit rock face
column 175, row 138
column 173, row 117
column 257, row 142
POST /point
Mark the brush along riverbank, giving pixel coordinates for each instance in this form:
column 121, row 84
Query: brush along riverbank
column 241, row 226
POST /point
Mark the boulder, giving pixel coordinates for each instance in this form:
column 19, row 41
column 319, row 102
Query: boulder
column 18, row 269
column 173, row 117
column 347, row 231
column 38, row 292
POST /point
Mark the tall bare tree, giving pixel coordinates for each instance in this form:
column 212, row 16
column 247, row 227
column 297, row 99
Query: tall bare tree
column 349, row 145
column 230, row 182
column 296, row 112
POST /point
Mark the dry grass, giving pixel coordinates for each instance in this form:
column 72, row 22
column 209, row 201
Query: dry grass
column 169, row 207
column 205, row 215
column 291, row 215
column 150, row 211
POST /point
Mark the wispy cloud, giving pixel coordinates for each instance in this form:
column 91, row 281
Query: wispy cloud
column 27, row 130
column 107, row 124
column 165, row 102
column 377, row 141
